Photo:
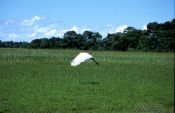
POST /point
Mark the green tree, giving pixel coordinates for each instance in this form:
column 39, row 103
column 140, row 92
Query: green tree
column 153, row 26
column 116, row 41
column 133, row 36
column 148, row 42
column 55, row 42
column 91, row 39
column 44, row 43
column 69, row 39
column 35, row 43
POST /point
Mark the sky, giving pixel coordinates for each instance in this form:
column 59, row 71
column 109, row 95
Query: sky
column 25, row 20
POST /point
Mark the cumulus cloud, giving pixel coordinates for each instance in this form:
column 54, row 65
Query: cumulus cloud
column 80, row 29
column 7, row 22
column 75, row 28
column 110, row 29
column 121, row 29
column 13, row 35
column 30, row 22
column 32, row 29
column 9, row 36
column 43, row 29
column 46, row 31
column 32, row 35
column 50, row 33
column 110, row 26
column 84, row 29
column 144, row 27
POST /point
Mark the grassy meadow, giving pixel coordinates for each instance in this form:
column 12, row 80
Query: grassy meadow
column 42, row 81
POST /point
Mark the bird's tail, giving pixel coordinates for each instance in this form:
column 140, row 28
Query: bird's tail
column 95, row 61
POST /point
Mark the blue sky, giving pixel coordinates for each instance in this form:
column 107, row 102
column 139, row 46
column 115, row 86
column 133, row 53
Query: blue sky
column 25, row 20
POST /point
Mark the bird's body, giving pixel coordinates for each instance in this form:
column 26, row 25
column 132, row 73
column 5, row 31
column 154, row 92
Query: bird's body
column 82, row 57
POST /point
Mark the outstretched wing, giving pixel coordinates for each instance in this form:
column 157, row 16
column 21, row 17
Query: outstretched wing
column 80, row 58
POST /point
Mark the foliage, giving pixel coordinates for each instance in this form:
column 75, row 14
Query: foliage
column 157, row 37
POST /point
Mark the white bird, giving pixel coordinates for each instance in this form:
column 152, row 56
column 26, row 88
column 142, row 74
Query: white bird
column 82, row 57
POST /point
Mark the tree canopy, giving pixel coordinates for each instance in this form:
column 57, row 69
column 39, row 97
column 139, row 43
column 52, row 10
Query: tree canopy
column 157, row 37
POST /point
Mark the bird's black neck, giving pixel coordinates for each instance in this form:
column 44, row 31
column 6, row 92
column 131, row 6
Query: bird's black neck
column 95, row 61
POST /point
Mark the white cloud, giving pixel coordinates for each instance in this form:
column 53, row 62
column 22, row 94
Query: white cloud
column 46, row 31
column 43, row 29
column 144, row 27
column 32, row 35
column 13, row 35
column 75, row 28
column 9, row 22
column 52, row 32
column 110, row 26
column 109, row 29
column 30, row 22
column 121, row 28
column 103, row 33
column 32, row 29
column 84, row 29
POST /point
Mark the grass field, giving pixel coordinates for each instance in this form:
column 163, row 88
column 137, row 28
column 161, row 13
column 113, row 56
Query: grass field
column 42, row 81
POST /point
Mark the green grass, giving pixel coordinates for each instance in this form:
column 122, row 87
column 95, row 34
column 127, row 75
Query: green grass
column 42, row 81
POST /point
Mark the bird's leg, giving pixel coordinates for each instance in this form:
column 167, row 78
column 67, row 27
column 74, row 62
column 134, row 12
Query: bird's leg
column 95, row 61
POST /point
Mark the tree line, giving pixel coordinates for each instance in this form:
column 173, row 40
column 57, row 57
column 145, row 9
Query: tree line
column 157, row 37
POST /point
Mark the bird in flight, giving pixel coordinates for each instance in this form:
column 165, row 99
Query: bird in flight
column 82, row 57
